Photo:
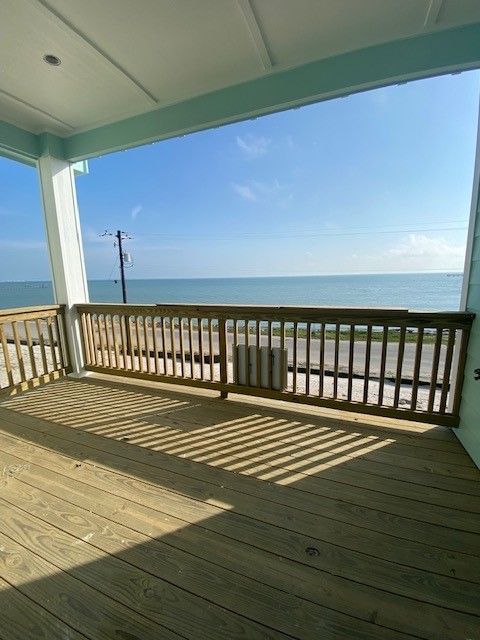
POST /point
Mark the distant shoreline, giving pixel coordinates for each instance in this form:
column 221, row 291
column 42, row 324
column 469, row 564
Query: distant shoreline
column 262, row 277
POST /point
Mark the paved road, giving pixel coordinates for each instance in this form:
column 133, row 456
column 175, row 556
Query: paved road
column 359, row 356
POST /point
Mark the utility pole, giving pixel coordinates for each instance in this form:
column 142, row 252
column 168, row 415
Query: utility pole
column 120, row 236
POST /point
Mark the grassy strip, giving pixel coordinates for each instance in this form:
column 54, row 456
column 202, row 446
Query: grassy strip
column 359, row 335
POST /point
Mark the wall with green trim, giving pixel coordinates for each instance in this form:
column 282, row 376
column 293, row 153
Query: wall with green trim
column 469, row 430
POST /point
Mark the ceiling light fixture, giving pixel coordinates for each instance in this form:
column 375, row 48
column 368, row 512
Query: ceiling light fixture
column 52, row 60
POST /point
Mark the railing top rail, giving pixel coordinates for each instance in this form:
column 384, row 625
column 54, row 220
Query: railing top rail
column 289, row 313
column 19, row 311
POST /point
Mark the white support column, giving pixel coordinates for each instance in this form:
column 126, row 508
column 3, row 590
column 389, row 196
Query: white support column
column 65, row 246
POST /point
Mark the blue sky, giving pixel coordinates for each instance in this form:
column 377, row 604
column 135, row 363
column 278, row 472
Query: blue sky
column 375, row 182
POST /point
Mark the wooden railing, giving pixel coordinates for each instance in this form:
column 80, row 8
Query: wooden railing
column 32, row 347
column 390, row 362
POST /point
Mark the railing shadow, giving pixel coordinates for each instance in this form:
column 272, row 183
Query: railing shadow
column 224, row 520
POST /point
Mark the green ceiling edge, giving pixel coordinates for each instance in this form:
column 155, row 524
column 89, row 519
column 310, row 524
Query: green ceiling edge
column 18, row 144
column 417, row 57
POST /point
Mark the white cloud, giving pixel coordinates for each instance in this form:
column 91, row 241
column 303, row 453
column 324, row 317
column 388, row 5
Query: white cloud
column 421, row 246
column 257, row 191
column 135, row 211
column 253, row 146
column 245, row 192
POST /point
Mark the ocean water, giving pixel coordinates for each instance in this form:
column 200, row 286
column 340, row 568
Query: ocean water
column 422, row 291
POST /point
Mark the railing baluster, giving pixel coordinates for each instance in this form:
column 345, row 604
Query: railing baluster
column 42, row 345
column 247, row 352
column 115, row 331
column 139, row 344
column 106, row 324
column 235, row 333
column 351, row 353
column 164, row 347
column 335, row 361
column 6, row 356
column 122, row 320
column 62, row 345
column 307, row 359
column 191, row 347
column 416, row 368
column 321, row 363
column 284, row 361
column 295, row 356
column 182, row 347
column 398, row 374
column 147, row 344
column 90, row 340
column 173, row 344
column 258, row 330
column 155, row 346
column 383, row 363
column 462, row 357
column 368, row 351
column 210, row 348
column 28, row 335
column 52, row 343
column 447, row 370
column 270, row 359
column 434, row 375
column 85, row 342
column 223, row 352
column 131, row 342
column 18, row 350
column 100, row 340
column 200, row 347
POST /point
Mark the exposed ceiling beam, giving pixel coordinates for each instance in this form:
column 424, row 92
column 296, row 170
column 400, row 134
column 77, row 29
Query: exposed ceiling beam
column 255, row 33
column 433, row 13
column 422, row 56
column 37, row 110
column 115, row 66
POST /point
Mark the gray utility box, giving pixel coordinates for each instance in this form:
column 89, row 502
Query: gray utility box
column 264, row 358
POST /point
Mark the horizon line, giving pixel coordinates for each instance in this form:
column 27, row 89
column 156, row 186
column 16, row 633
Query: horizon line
column 243, row 277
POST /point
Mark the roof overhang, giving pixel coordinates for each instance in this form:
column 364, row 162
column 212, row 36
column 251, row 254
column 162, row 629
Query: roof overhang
column 422, row 56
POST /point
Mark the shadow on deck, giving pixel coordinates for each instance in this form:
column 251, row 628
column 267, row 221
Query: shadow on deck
column 137, row 512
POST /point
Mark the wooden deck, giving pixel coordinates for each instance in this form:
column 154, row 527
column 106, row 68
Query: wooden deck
column 130, row 513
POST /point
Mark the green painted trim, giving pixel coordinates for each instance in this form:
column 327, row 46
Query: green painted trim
column 51, row 145
column 381, row 65
column 417, row 57
column 81, row 168
column 18, row 144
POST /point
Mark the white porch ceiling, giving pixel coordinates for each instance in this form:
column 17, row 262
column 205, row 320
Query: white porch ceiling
column 125, row 57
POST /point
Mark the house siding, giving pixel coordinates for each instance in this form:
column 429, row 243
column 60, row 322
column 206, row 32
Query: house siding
column 469, row 429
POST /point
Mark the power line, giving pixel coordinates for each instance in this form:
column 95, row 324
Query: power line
column 305, row 234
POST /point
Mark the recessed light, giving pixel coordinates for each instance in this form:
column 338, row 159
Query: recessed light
column 52, row 60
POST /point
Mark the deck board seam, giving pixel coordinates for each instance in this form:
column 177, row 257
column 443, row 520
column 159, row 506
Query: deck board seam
column 400, row 497
column 151, row 483
column 31, row 427
column 50, row 613
column 294, row 596
column 427, row 572
column 240, row 402
column 239, row 405
column 74, row 577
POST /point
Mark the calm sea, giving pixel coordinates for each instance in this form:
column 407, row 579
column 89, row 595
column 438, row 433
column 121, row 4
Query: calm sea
column 425, row 291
